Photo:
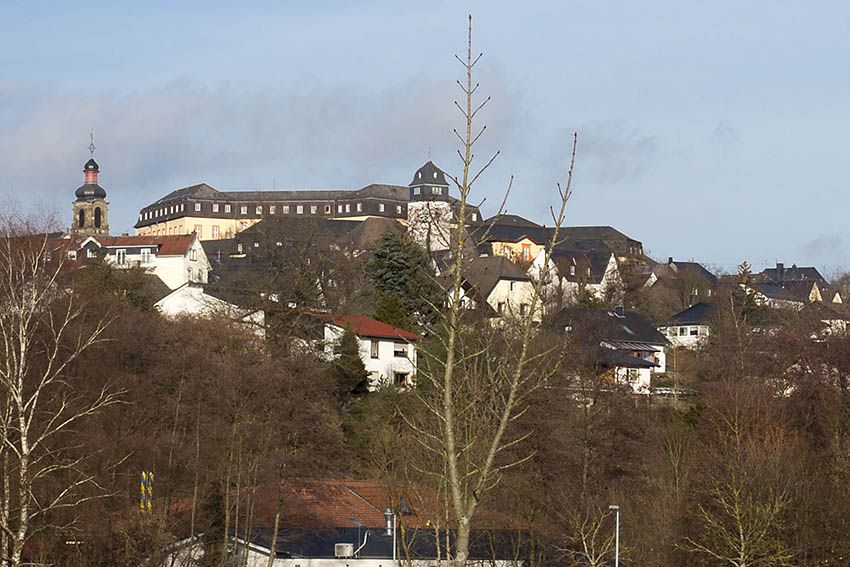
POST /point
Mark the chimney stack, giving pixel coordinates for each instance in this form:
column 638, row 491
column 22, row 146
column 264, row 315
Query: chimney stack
column 780, row 271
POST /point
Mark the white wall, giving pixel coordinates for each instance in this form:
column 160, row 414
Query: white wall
column 683, row 335
column 382, row 369
column 177, row 270
column 513, row 294
column 190, row 300
column 640, row 379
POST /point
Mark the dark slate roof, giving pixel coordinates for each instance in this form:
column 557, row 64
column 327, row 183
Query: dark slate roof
column 508, row 233
column 787, row 291
column 156, row 287
column 511, row 220
column 592, row 233
column 596, row 260
column 628, row 326
column 617, row 358
column 207, row 192
column 699, row 314
column 91, row 165
column 692, row 270
column 484, row 272
column 429, row 174
column 90, row 191
column 793, row 274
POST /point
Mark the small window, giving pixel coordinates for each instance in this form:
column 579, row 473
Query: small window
column 416, row 190
column 339, row 208
column 72, row 254
column 259, row 210
column 474, row 217
column 572, row 270
column 314, row 209
column 327, row 209
column 299, row 209
column 400, row 350
column 694, row 331
column 197, row 207
column 359, row 207
column 91, row 253
column 146, row 256
column 243, row 209
column 373, row 348
column 286, row 209
column 199, row 230
column 683, row 331
column 193, row 255
column 381, row 207
column 501, row 307
column 272, row 209
column 398, row 209
column 588, row 272
column 120, row 256
column 256, row 244
column 226, row 208
column 513, row 286
column 215, row 207
column 437, row 190
column 523, row 309
column 215, row 231
column 348, row 208
column 239, row 247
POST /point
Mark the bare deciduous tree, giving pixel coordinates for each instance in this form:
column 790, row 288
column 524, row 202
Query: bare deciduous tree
column 42, row 332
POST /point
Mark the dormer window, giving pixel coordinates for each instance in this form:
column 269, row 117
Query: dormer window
column 197, row 207
column 437, row 190
column 572, row 270
column 227, row 208
column 243, row 210
column 259, row 209
column 588, row 272
column 215, row 207
column 359, row 207
column 435, row 175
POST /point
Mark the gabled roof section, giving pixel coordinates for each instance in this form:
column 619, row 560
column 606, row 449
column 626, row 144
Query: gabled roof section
column 170, row 245
column 692, row 270
column 367, row 327
column 699, row 314
column 511, row 220
column 781, row 274
column 596, row 260
column 798, row 291
column 484, row 273
column 199, row 191
column 611, row 325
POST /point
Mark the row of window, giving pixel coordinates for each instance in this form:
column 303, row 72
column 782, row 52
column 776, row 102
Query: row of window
column 260, row 209
column 434, row 190
column 502, row 306
column 399, row 349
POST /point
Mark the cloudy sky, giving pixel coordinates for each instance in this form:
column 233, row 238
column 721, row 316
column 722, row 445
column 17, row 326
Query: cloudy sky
column 710, row 131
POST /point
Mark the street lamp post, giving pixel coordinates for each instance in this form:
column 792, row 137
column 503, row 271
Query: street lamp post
column 390, row 517
column 616, row 510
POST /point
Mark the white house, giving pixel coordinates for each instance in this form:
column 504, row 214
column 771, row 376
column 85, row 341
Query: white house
column 176, row 259
column 629, row 347
column 388, row 353
column 690, row 328
column 573, row 274
column 496, row 283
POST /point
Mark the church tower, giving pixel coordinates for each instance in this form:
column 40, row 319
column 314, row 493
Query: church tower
column 429, row 213
column 90, row 208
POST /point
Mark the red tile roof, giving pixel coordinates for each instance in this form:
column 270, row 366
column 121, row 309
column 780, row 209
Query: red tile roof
column 170, row 245
column 368, row 327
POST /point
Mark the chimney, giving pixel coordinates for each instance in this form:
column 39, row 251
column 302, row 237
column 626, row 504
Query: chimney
column 780, row 271
column 669, row 260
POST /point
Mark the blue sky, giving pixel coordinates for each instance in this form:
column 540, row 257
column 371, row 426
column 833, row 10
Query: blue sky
column 709, row 131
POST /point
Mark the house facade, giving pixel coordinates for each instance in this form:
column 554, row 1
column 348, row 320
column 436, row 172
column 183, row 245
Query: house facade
column 387, row 352
column 497, row 285
column 575, row 275
column 176, row 260
column 690, row 328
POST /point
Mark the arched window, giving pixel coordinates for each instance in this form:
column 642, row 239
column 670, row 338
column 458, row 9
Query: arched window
column 97, row 217
column 81, row 218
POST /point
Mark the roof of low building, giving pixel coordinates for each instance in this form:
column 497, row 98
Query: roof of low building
column 698, row 314
column 167, row 245
column 611, row 324
column 367, row 327
column 506, row 219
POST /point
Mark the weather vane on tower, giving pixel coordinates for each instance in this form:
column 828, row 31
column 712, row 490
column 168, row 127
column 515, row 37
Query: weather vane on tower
column 92, row 147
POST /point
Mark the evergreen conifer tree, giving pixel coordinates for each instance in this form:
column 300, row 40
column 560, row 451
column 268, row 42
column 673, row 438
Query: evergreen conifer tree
column 390, row 310
column 348, row 371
